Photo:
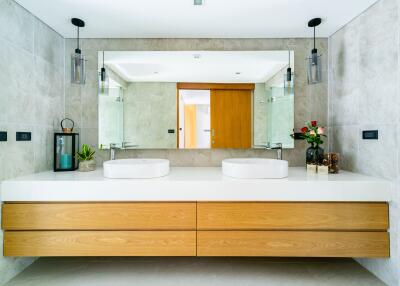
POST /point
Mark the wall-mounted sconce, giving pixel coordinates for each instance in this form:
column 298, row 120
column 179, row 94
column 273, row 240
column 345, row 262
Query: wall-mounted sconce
column 78, row 69
column 314, row 61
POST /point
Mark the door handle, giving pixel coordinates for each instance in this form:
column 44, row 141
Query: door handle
column 213, row 132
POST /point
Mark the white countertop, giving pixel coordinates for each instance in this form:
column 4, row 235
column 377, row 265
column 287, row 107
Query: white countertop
column 195, row 184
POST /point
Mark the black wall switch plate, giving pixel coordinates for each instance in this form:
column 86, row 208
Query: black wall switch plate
column 23, row 136
column 370, row 135
column 171, row 131
column 3, row 136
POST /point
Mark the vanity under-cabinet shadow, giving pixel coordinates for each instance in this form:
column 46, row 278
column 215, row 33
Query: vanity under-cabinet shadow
column 196, row 99
column 194, row 271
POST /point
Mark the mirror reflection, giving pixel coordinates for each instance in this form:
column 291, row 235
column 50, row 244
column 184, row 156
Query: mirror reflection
column 196, row 99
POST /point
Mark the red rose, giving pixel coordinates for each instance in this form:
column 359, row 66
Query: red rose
column 304, row 130
column 314, row 123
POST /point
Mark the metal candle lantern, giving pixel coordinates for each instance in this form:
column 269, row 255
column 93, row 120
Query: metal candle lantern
column 65, row 147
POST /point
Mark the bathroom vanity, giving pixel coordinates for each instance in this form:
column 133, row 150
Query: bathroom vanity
column 196, row 212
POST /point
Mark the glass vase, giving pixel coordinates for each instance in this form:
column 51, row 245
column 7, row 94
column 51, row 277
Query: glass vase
column 314, row 155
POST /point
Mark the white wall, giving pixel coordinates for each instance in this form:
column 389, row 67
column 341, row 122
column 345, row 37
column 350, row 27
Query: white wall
column 31, row 99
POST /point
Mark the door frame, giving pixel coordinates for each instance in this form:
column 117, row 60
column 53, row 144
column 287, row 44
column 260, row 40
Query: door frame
column 205, row 86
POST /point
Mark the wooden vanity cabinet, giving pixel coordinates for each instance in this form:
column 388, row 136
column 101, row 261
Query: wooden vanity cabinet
column 300, row 229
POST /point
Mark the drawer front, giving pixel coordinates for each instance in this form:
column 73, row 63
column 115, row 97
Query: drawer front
column 99, row 216
column 292, row 216
column 100, row 243
column 293, row 244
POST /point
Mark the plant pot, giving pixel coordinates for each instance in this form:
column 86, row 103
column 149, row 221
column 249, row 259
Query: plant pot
column 87, row 166
column 314, row 155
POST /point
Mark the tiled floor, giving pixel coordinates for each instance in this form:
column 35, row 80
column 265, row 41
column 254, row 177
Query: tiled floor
column 193, row 272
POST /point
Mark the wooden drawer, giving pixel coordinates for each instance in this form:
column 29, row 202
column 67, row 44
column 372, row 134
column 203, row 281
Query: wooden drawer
column 293, row 243
column 100, row 243
column 292, row 216
column 99, row 216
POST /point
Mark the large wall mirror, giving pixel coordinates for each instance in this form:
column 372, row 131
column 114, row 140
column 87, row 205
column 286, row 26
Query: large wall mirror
column 196, row 99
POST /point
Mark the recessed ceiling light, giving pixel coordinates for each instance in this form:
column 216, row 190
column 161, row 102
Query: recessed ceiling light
column 197, row 2
column 196, row 56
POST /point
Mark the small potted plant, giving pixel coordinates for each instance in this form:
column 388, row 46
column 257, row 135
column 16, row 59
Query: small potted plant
column 313, row 134
column 86, row 159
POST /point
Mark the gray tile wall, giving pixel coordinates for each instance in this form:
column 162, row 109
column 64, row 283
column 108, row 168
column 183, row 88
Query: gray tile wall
column 364, row 95
column 31, row 99
column 310, row 101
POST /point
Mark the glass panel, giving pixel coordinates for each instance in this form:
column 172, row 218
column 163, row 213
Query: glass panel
column 64, row 158
column 111, row 116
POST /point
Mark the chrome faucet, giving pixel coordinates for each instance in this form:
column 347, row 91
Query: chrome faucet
column 113, row 147
column 278, row 148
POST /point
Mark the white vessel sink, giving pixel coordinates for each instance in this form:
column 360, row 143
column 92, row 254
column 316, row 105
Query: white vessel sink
column 135, row 168
column 255, row 168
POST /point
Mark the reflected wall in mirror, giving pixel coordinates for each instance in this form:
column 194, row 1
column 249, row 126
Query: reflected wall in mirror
column 197, row 99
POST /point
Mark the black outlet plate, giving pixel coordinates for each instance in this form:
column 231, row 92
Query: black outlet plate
column 23, row 136
column 171, row 131
column 370, row 135
column 3, row 136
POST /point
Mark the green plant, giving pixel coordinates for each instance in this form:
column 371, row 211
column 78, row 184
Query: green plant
column 87, row 153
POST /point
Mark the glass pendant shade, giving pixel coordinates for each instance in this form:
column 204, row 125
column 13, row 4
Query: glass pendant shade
column 104, row 82
column 288, row 82
column 314, row 68
column 78, row 68
column 314, row 74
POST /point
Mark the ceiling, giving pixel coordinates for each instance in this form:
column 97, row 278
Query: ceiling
column 181, row 19
column 204, row 66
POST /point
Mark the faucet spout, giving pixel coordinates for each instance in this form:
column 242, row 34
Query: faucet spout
column 278, row 148
column 113, row 147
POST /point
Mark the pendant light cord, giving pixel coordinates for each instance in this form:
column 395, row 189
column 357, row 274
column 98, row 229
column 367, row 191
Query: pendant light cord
column 314, row 38
column 103, row 59
column 78, row 38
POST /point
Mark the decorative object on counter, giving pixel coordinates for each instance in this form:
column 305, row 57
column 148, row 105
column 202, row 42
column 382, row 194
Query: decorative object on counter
column 86, row 159
column 311, row 169
column 322, row 170
column 78, row 61
column 65, row 147
column 67, row 129
column 333, row 162
column 314, row 61
column 313, row 134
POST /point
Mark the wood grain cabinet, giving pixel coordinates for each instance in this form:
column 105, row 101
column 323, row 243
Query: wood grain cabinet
column 196, row 229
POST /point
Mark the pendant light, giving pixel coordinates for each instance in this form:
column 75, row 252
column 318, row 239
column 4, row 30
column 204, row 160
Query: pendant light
column 104, row 82
column 78, row 70
column 314, row 61
column 288, row 80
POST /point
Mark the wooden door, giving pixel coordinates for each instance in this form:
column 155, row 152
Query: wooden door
column 231, row 119
column 190, row 127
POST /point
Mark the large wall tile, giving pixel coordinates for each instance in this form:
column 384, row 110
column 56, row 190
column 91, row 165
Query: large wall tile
column 48, row 44
column 31, row 99
column 364, row 95
column 16, row 25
